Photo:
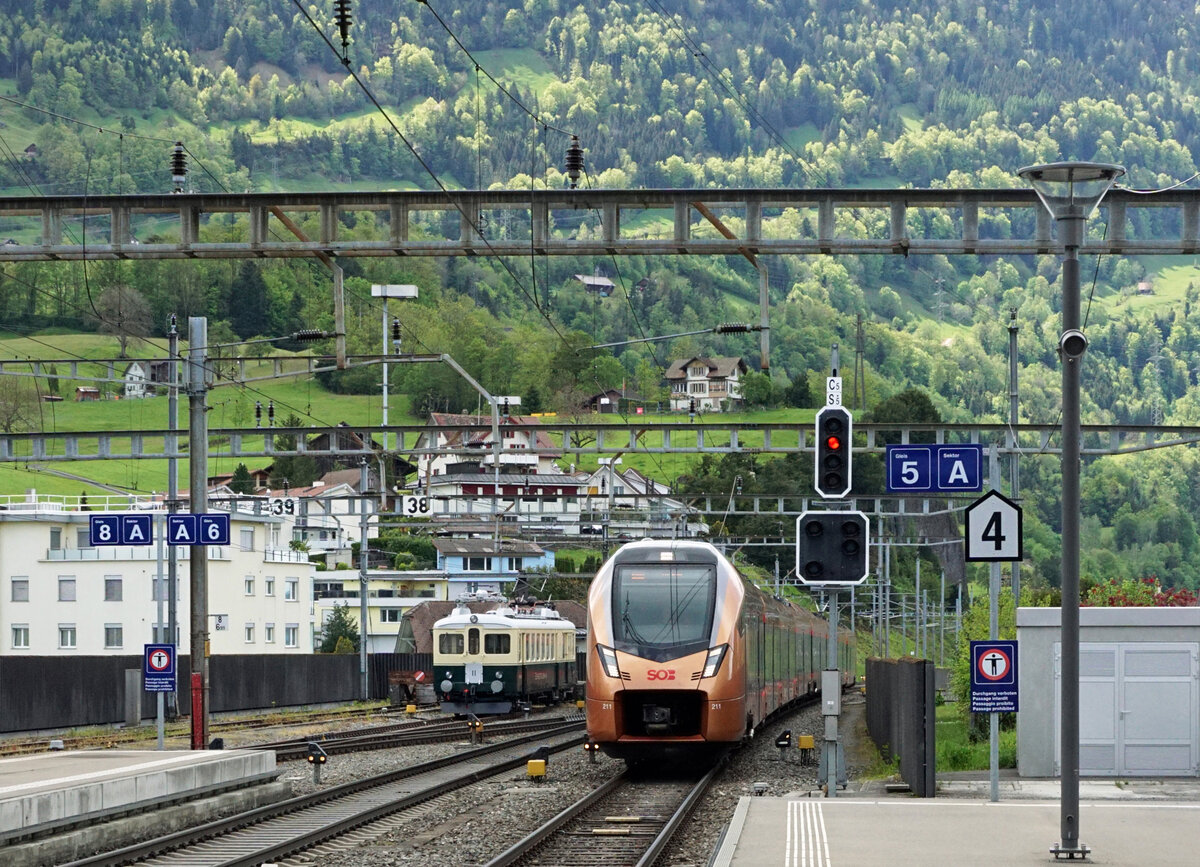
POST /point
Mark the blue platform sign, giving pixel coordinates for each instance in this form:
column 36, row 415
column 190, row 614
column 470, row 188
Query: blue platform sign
column 158, row 668
column 934, row 468
column 214, row 529
column 136, row 530
column 206, row 529
column 182, row 529
column 120, row 530
column 994, row 677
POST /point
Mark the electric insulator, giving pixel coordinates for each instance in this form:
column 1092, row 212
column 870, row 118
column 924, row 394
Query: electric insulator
column 258, row 413
column 341, row 15
column 178, row 167
column 732, row 328
column 308, row 334
column 271, row 414
column 574, row 161
column 396, row 334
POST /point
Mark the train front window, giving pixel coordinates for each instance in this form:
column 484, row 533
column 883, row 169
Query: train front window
column 450, row 643
column 473, row 641
column 663, row 610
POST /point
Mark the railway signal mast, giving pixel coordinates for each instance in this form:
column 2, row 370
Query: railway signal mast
column 832, row 551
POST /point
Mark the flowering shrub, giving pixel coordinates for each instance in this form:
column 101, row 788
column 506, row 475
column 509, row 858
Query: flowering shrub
column 1144, row 592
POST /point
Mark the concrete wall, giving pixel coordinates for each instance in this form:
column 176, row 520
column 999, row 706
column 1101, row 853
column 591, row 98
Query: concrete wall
column 1038, row 634
column 46, row 692
column 900, row 718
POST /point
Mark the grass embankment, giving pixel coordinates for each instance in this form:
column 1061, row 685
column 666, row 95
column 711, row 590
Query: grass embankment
column 956, row 751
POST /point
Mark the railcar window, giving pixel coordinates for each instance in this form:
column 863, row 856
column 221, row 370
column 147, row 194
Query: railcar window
column 450, row 643
column 472, row 641
column 663, row 607
column 493, row 643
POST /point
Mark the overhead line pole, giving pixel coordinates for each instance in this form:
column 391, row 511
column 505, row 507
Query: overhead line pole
column 197, row 389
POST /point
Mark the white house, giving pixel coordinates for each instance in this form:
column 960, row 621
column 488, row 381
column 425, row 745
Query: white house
column 389, row 594
column 60, row 595
column 634, row 505
column 715, row 384
column 140, row 377
column 518, row 437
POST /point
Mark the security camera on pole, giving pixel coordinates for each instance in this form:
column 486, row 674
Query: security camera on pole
column 832, row 551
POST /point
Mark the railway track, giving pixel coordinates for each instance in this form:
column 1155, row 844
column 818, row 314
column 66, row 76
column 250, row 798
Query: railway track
column 626, row 821
column 403, row 734
column 19, row 746
column 279, row 830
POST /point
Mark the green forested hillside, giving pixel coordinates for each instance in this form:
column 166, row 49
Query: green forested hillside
column 682, row 93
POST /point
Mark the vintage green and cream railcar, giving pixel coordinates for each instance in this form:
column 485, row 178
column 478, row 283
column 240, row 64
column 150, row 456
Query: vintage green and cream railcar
column 486, row 663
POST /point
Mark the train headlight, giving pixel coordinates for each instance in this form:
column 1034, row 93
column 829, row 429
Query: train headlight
column 715, row 656
column 608, row 660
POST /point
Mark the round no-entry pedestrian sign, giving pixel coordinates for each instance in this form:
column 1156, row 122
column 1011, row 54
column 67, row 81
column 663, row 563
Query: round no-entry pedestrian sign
column 994, row 664
column 159, row 660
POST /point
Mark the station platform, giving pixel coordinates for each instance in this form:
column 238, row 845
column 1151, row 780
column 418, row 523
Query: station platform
column 49, row 792
column 1121, row 822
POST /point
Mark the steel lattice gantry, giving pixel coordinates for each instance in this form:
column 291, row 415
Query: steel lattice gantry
column 575, row 223
column 664, row 438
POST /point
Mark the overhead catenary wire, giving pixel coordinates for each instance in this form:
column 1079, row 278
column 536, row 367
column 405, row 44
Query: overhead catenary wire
column 471, row 219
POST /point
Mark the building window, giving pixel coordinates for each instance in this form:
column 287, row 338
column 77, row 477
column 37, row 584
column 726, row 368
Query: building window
column 66, row 590
column 20, row 590
column 247, row 538
column 66, row 636
column 55, row 538
column 478, row 564
column 269, row 586
column 114, row 635
column 20, row 636
column 83, row 538
column 389, row 615
column 249, row 633
column 291, row 589
column 269, row 633
column 249, row 586
column 113, row 592
column 698, row 388
column 291, row 635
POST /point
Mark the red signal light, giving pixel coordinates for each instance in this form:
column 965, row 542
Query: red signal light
column 833, row 443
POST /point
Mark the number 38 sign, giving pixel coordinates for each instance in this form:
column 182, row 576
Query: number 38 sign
column 994, row 529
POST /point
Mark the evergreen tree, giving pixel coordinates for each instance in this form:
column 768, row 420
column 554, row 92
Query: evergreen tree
column 340, row 629
column 242, row 482
column 249, row 310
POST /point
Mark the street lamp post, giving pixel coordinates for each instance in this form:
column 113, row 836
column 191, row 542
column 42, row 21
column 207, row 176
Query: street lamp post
column 1070, row 191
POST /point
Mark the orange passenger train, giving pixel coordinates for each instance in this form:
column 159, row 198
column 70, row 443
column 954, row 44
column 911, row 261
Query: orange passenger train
column 686, row 657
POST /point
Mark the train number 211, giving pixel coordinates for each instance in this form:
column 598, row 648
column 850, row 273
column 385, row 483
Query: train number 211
column 661, row 674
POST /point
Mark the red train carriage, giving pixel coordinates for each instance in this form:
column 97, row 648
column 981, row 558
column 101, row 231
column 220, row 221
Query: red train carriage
column 686, row 657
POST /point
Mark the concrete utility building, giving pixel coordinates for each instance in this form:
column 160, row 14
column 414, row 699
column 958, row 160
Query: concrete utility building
column 1139, row 692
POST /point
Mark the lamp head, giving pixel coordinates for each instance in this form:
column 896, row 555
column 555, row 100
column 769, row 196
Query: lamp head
column 1071, row 189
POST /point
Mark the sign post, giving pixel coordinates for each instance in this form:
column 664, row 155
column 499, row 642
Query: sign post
column 158, row 675
column 993, row 534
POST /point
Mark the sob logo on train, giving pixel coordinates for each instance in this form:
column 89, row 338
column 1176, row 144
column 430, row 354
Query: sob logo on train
column 661, row 674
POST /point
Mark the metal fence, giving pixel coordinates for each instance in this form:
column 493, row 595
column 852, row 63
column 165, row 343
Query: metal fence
column 48, row 692
column 901, row 718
